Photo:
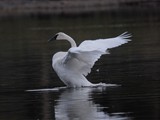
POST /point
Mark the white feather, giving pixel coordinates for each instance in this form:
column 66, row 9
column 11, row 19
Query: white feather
column 73, row 65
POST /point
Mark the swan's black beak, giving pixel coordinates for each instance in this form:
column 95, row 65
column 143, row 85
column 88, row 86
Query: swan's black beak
column 53, row 38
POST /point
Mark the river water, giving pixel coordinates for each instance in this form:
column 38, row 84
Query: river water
column 31, row 90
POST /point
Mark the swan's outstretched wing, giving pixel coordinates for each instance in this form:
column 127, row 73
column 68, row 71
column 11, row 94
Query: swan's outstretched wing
column 104, row 44
column 82, row 58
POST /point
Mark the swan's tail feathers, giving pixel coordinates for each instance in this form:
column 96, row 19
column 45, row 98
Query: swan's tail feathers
column 125, row 36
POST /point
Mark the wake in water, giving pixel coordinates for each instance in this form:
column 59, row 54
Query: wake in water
column 103, row 85
column 99, row 85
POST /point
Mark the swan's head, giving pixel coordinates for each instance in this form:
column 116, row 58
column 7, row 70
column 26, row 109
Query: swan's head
column 63, row 36
column 59, row 36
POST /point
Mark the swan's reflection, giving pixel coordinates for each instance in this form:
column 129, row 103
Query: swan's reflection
column 77, row 104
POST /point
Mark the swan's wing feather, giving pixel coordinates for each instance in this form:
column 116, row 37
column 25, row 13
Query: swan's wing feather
column 81, row 61
column 83, row 58
column 104, row 44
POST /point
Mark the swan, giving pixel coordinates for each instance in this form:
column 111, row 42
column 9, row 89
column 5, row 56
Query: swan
column 73, row 66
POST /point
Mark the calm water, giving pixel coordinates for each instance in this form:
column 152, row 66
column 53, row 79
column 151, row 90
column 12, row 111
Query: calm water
column 25, row 62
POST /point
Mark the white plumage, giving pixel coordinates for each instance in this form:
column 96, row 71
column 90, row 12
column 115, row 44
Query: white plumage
column 72, row 66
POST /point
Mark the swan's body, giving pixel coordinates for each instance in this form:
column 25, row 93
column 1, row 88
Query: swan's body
column 72, row 66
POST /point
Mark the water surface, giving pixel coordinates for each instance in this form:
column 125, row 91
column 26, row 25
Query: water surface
column 25, row 60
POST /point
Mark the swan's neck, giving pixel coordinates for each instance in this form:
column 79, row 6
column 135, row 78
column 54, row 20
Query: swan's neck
column 72, row 42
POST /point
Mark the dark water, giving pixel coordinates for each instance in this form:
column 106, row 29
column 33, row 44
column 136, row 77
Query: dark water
column 25, row 62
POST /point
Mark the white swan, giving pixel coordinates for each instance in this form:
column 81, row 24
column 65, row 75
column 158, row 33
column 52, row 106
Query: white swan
column 72, row 66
